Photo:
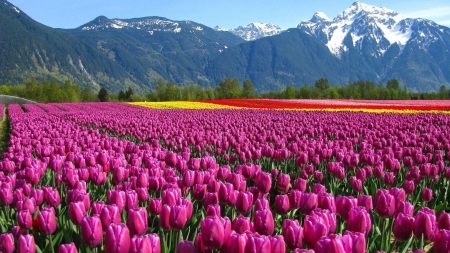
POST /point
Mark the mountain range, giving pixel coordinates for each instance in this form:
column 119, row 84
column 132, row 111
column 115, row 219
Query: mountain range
column 363, row 42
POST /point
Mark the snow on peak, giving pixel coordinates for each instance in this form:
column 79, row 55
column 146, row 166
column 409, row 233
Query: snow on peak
column 256, row 30
column 362, row 22
column 320, row 16
column 220, row 29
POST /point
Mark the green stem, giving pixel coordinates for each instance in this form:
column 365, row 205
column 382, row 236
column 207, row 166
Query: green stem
column 51, row 243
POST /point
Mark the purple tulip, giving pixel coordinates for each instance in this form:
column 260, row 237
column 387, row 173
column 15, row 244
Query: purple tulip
column 76, row 212
column 67, row 248
column 442, row 241
column 277, row 244
column 404, row 208
column 6, row 196
column 178, row 216
column 97, row 207
column 403, row 227
column 164, row 217
column 186, row 247
column 47, row 220
column 117, row 239
column 258, row 244
column 24, row 219
column 6, row 243
column 212, row 232
column 283, row 183
column 236, row 243
column 91, row 231
column 313, row 229
column 308, row 202
column 427, row 194
column 359, row 220
column 264, row 222
column 384, row 203
column 326, row 201
column 244, row 202
column 263, row 182
column 344, row 204
column 282, row 204
column 26, row 244
column 242, row 224
column 444, row 221
column 140, row 244
column 293, row 236
column 154, row 241
column 409, row 186
column 425, row 224
column 109, row 214
column 365, row 201
column 154, row 206
column 225, row 191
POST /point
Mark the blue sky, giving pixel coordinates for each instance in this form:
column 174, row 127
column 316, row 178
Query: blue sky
column 224, row 13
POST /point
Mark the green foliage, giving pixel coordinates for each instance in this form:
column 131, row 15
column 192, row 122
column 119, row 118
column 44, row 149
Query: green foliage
column 229, row 88
column 103, row 95
column 248, row 89
column 46, row 92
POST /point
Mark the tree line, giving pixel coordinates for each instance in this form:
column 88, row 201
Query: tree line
column 52, row 91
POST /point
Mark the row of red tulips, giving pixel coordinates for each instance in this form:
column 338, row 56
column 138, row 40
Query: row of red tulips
column 191, row 195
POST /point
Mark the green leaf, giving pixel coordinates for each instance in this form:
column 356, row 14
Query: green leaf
column 405, row 245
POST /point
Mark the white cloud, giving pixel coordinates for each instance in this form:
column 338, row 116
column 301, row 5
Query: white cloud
column 434, row 12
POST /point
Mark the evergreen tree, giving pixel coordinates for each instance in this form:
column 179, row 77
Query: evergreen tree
column 289, row 92
column 128, row 93
column 121, row 95
column 321, row 85
column 103, row 95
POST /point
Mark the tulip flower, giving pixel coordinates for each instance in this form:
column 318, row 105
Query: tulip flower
column 97, row 207
column 199, row 191
column 308, row 202
column 427, row 194
column 26, row 244
column 384, row 203
column 47, row 220
column 117, row 239
column 76, row 212
column 405, row 208
column 109, row 214
column 186, row 247
column 178, row 216
column 263, row 182
column 442, row 241
column 140, row 244
column 313, row 230
column 282, row 204
column 403, row 227
column 236, row 243
column 212, row 232
column 164, row 217
column 154, row 206
column 91, row 231
column 277, row 244
column 6, row 196
column 68, row 248
column 264, row 222
column 359, row 220
column 425, row 224
column 344, row 204
column 244, row 202
column 409, row 186
column 444, row 221
column 258, row 244
column 293, row 236
column 242, row 224
column 154, row 241
column 6, row 243
column 24, row 219
column 331, row 244
column 137, row 221
column 225, row 191
column 283, row 183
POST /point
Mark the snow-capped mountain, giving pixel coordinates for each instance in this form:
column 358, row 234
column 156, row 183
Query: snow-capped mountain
column 371, row 29
column 149, row 24
column 254, row 31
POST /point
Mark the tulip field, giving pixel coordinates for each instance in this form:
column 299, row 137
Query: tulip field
column 232, row 176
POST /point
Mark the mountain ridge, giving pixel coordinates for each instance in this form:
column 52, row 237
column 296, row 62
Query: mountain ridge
column 363, row 42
